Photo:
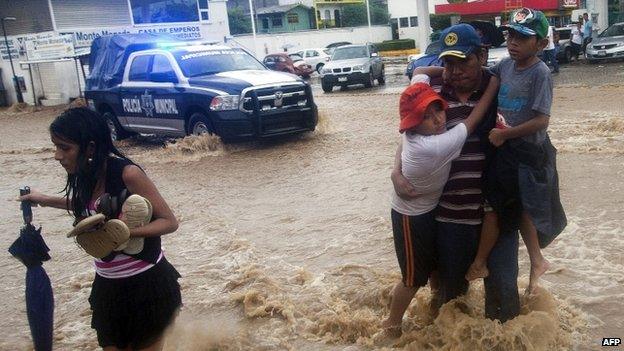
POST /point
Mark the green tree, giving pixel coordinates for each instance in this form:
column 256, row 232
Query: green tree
column 355, row 15
column 439, row 22
column 240, row 23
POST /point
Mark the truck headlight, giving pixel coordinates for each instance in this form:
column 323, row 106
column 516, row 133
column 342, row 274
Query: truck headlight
column 224, row 102
column 358, row 68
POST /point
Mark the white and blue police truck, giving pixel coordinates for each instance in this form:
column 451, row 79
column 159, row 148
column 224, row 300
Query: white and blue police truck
column 150, row 84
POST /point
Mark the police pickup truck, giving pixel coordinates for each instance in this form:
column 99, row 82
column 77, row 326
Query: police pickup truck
column 150, row 85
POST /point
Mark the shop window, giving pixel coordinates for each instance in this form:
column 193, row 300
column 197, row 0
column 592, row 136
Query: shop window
column 204, row 12
column 414, row 21
column 165, row 11
column 276, row 21
column 293, row 18
column 403, row 22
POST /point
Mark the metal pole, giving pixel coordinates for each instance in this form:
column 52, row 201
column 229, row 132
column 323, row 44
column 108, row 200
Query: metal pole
column 370, row 35
column 18, row 91
column 253, row 28
column 424, row 26
column 32, row 84
column 78, row 76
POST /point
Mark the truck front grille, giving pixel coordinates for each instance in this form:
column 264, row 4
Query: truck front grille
column 274, row 98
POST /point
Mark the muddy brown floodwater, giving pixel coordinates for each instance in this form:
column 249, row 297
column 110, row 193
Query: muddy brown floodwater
column 287, row 244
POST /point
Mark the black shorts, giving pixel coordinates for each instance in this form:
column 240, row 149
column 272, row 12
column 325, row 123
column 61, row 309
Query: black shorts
column 134, row 312
column 415, row 246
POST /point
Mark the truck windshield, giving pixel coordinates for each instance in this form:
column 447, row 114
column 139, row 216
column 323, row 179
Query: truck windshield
column 206, row 62
column 350, row 53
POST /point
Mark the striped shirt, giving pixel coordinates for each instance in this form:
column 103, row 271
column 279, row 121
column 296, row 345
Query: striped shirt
column 462, row 199
column 123, row 266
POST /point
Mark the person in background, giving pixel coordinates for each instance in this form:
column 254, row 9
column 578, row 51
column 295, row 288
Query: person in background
column 587, row 30
column 577, row 40
column 550, row 51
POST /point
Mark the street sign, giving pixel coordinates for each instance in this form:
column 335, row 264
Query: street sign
column 50, row 48
column 12, row 48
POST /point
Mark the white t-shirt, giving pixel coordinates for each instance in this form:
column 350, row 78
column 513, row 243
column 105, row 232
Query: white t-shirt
column 426, row 163
column 550, row 36
column 577, row 36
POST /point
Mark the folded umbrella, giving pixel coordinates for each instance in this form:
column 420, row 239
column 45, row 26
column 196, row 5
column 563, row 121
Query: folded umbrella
column 31, row 250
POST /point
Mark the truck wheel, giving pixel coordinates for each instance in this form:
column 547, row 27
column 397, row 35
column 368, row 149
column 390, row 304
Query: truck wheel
column 116, row 130
column 328, row 88
column 382, row 78
column 371, row 80
column 199, row 124
column 319, row 67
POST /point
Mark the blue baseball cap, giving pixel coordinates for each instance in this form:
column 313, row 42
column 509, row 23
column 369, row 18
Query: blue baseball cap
column 459, row 40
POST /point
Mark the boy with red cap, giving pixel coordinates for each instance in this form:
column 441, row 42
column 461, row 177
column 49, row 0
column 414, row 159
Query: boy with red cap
column 427, row 151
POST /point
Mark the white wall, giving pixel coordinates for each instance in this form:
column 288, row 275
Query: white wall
column 272, row 43
column 214, row 30
column 406, row 8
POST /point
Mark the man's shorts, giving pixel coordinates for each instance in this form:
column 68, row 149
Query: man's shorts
column 415, row 246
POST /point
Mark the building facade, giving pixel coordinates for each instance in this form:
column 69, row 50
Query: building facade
column 404, row 17
column 285, row 18
column 85, row 20
column 558, row 12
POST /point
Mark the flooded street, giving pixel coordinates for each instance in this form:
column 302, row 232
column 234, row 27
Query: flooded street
column 287, row 244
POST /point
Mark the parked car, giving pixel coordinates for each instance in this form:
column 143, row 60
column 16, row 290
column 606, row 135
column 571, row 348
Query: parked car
column 282, row 62
column 331, row 47
column 565, row 44
column 428, row 58
column 496, row 55
column 353, row 64
column 609, row 44
column 142, row 86
column 316, row 58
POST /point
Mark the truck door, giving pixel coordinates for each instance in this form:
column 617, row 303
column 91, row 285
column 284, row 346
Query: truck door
column 167, row 100
column 134, row 106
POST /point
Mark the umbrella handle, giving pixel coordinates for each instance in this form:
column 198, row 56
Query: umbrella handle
column 26, row 206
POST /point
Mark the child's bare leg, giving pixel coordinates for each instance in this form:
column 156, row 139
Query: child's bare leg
column 434, row 284
column 539, row 265
column 489, row 235
column 401, row 297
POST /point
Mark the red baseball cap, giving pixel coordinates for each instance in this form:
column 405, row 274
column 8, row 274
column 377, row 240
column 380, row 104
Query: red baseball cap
column 413, row 104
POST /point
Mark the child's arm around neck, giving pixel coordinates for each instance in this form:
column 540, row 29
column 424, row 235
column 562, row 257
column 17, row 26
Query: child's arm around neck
column 479, row 111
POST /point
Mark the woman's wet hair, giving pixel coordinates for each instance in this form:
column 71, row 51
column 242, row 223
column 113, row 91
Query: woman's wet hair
column 84, row 127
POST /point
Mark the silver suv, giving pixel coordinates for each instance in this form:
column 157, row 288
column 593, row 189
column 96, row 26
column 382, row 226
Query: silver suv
column 353, row 64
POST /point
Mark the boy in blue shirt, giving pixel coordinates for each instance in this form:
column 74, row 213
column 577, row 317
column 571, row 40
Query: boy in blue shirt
column 522, row 182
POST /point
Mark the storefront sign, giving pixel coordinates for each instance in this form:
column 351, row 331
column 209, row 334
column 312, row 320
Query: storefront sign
column 12, row 49
column 50, row 48
column 570, row 3
column 84, row 38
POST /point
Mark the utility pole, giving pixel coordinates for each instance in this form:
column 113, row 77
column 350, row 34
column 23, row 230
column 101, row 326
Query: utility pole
column 18, row 91
column 370, row 33
column 424, row 26
column 253, row 28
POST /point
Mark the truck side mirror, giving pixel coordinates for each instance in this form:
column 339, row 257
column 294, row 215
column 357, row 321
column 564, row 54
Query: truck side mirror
column 163, row 77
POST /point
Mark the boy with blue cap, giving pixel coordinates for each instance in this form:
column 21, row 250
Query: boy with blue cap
column 522, row 178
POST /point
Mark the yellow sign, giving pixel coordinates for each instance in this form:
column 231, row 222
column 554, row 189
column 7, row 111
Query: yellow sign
column 324, row 2
column 450, row 39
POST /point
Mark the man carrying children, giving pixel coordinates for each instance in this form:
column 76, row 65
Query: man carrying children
column 460, row 210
